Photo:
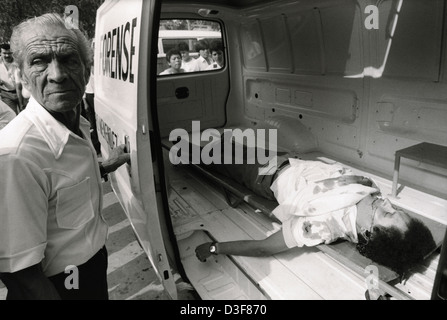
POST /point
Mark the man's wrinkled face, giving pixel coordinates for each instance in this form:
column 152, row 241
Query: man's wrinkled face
column 53, row 70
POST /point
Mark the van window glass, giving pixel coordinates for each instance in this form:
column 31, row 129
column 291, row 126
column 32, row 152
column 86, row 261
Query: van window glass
column 186, row 46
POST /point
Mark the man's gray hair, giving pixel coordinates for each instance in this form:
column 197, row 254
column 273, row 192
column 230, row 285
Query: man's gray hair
column 46, row 20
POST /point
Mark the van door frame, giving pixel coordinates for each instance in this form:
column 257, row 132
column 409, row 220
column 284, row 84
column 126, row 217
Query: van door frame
column 169, row 237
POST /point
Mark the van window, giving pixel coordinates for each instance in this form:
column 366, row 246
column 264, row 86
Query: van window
column 189, row 46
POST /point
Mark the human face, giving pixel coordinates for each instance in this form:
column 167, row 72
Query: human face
column 175, row 62
column 185, row 55
column 385, row 215
column 218, row 57
column 204, row 53
column 7, row 55
column 53, row 70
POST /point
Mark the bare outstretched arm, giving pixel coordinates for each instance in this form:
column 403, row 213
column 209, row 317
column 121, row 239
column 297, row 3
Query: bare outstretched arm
column 253, row 248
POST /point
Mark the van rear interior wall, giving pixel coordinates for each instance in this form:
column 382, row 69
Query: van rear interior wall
column 334, row 91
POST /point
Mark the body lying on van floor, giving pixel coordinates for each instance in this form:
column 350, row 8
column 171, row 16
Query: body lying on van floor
column 338, row 81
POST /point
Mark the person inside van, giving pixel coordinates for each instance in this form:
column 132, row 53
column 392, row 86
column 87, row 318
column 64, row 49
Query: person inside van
column 217, row 53
column 174, row 58
column 188, row 62
column 320, row 203
column 204, row 60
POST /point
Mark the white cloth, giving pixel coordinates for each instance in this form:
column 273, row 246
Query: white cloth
column 315, row 211
column 50, row 194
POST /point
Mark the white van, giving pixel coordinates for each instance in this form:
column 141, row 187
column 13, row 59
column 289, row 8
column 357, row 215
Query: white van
column 338, row 81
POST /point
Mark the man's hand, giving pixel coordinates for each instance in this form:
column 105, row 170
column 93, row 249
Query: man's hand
column 203, row 251
column 116, row 159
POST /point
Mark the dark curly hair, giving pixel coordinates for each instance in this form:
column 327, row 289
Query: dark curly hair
column 170, row 53
column 396, row 250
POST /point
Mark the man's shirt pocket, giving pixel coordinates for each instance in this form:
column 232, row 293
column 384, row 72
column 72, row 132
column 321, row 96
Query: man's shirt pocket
column 74, row 207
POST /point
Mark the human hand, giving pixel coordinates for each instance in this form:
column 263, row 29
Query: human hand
column 117, row 158
column 203, row 251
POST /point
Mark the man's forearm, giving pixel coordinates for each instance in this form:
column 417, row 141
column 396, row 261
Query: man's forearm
column 29, row 284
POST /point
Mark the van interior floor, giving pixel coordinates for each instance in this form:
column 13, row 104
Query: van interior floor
column 200, row 213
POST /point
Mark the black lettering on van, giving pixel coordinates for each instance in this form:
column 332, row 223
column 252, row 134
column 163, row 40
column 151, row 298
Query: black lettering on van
column 119, row 46
column 112, row 59
column 109, row 47
column 126, row 53
column 116, row 54
column 108, row 134
column 132, row 49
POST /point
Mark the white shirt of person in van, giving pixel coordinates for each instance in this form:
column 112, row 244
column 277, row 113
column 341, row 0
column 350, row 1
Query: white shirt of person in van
column 190, row 66
column 313, row 212
column 188, row 63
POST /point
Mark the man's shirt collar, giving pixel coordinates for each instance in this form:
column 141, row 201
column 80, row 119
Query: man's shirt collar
column 54, row 132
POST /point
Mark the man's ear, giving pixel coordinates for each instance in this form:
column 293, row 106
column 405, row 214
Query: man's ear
column 25, row 92
column 23, row 80
column 25, row 86
column 25, row 83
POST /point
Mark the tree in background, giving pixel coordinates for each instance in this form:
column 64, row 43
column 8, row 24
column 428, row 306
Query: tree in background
column 15, row 11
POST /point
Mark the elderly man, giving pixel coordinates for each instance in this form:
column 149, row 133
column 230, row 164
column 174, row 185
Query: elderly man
column 52, row 234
